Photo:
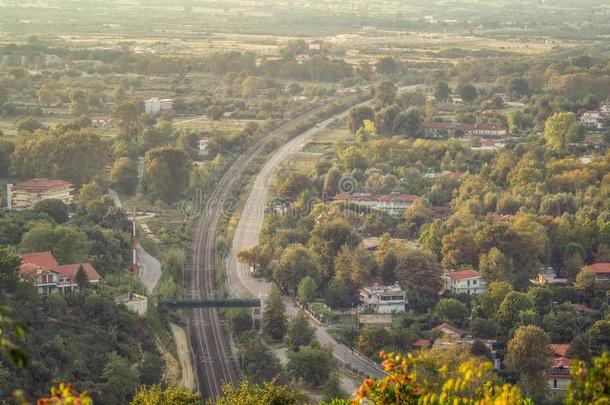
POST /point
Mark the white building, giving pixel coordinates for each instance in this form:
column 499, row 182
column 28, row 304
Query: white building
column 315, row 45
column 25, row 195
column 548, row 276
column 156, row 105
column 393, row 204
column 595, row 119
column 465, row 282
column 384, row 299
column 203, row 146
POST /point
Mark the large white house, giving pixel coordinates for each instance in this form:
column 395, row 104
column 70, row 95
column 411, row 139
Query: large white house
column 465, row 282
column 156, row 105
column 384, row 299
column 25, row 195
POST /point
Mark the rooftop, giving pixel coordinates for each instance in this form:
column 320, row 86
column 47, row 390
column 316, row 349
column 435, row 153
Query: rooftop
column 41, row 184
column 376, row 197
column 42, row 259
column 464, row 274
column 446, row 326
column 599, row 268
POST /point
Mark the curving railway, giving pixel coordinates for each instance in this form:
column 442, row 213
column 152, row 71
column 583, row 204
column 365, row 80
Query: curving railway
column 211, row 349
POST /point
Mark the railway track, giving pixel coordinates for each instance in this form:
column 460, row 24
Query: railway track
column 212, row 354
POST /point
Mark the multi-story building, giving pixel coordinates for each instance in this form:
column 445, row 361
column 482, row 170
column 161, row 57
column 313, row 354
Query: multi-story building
column 465, row 282
column 596, row 120
column 393, row 204
column 559, row 375
column 548, row 276
column 25, row 195
column 156, row 105
column 383, row 299
column 50, row 277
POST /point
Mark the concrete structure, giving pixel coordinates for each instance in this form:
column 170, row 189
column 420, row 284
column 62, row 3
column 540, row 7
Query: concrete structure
column 384, row 299
column 548, row 276
column 136, row 303
column 384, row 320
column 50, row 277
column 25, row 195
column 440, row 129
column 601, row 271
column 596, row 120
column 393, row 204
column 465, row 282
column 156, row 105
column 203, row 145
column 315, row 45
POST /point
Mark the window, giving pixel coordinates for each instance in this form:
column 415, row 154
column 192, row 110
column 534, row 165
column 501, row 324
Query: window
column 554, row 383
column 468, row 283
column 474, row 282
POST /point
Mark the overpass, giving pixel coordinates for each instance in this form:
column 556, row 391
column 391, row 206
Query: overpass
column 210, row 303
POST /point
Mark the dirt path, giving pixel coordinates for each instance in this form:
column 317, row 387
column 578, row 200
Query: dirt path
column 184, row 356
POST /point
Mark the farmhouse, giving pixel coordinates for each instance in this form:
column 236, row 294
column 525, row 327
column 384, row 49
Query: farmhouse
column 25, row 195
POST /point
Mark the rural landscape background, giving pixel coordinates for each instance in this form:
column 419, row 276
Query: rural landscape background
column 299, row 202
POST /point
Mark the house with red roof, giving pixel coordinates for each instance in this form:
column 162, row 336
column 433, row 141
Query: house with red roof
column 50, row 277
column 448, row 329
column 559, row 374
column 25, row 195
column 465, row 282
column 601, row 271
column 421, row 344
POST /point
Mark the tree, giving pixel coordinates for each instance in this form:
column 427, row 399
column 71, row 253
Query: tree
column 274, row 315
column 332, row 388
column 68, row 244
column 357, row 116
column 441, row 91
column 372, row 339
column 385, row 94
column 480, row 349
column 474, row 384
column 326, row 240
column 290, row 186
column 127, row 120
column 452, row 311
column 468, row 93
column 54, row 208
column 167, row 171
column 296, row 263
column 386, row 66
column 490, row 300
column 170, row 395
column 599, row 336
column 151, row 369
column 529, row 353
column 408, row 123
column 518, row 87
column 561, row 130
column 459, row 249
column 215, row 112
column 6, row 149
column 9, row 270
column 307, row 291
column 353, row 158
column 259, row 362
column 496, row 266
column 560, row 325
column 300, row 333
column 510, row 308
column 124, row 175
column 420, row 276
column 268, row 393
column 120, row 380
column 590, row 383
column 312, row 365
column 81, row 278
column 579, row 348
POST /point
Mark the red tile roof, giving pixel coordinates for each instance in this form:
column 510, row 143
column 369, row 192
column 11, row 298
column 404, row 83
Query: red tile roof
column 464, row 274
column 559, row 349
column 561, row 362
column 69, row 271
column 503, row 217
column 599, row 268
column 422, row 343
column 29, row 269
column 43, row 259
column 451, row 328
column 582, row 308
column 41, row 184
